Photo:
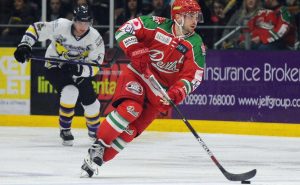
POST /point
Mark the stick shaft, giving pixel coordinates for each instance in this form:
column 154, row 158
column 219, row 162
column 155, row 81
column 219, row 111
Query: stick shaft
column 229, row 176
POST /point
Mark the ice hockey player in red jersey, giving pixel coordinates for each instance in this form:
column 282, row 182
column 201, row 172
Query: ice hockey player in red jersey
column 73, row 40
column 272, row 28
column 173, row 53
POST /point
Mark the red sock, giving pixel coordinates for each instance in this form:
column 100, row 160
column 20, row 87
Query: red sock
column 107, row 133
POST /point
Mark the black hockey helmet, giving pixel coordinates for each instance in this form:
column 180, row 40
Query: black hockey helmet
column 82, row 13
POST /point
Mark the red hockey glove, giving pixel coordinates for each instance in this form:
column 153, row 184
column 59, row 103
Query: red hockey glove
column 139, row 55
column 176, row 94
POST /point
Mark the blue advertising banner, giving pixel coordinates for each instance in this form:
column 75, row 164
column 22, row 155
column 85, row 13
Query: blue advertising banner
column 247, row 86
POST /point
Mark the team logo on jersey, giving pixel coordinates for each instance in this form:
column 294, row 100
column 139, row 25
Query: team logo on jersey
column 158, row 20
column 134, row 87
column 156, row 55
column 127, row 28
column 129, row 41
column 163, row 38
column 130, row 110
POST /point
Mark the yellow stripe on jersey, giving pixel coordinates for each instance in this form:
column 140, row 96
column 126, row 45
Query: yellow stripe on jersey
column 95, row 70
column 32, row 31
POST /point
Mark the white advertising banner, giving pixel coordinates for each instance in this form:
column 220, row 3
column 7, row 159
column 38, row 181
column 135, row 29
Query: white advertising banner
column 14, row 84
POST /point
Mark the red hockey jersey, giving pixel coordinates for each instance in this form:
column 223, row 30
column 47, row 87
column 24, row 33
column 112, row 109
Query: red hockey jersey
column 169, row 64
column 271, row 25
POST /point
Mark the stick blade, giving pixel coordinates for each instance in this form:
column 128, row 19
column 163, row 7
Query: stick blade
column 240, row 177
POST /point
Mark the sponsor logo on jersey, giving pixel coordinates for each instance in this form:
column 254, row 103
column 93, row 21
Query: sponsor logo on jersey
column 130, row 110
column 134, row 87
column 158, row 20
column 182, row 48
column 129, row 41
column 163, row 38
column 98, row 41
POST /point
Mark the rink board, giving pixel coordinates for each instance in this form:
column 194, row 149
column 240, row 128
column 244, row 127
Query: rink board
column 170, row 125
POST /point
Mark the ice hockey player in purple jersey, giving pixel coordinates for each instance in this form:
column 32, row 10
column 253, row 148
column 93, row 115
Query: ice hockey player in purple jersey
column 75, row 41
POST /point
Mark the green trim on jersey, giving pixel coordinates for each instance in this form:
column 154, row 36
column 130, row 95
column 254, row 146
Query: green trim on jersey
column 120, row 35
column 196, row 41
column 285, row 14
column 150, row 24
column 188, row 85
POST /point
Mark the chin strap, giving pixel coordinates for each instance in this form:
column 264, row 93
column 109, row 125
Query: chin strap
column 180, row 27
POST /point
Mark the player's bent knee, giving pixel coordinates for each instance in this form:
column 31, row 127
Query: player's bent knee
column 69, row 94
column 130, row 110
column 92, row 109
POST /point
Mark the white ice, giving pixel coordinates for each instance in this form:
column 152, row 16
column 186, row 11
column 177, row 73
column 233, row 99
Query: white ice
column 30, row 156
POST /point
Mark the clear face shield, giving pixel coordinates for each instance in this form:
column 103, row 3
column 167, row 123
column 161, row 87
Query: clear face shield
column 194, row 16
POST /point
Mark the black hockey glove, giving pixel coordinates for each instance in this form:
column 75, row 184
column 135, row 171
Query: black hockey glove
column 23, row 52
column 72, row 69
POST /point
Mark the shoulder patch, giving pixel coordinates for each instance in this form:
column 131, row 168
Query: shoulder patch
column 136, row 23
column 182, row 48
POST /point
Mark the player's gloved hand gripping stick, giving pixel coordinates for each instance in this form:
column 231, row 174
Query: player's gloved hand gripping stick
column 232, row 177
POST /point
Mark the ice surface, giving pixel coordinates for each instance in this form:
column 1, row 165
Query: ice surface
column 30, row 156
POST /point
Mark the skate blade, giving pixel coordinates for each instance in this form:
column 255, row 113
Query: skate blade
column 68, row 143
column 84, row 174
column 89, row 168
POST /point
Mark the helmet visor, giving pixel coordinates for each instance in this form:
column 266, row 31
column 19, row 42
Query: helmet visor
column 196, row 16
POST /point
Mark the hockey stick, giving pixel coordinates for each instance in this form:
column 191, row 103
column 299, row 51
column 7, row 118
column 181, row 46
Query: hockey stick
column 55, row 60
column 229, row 176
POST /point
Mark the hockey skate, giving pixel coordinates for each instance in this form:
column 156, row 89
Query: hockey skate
column 66, row 136
column 93, row 160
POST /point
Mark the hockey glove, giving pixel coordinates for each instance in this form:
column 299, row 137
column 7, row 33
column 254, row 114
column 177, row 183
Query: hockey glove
column 72, row 69
column 176, row 94
column 23, row 52
column 140, row 58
